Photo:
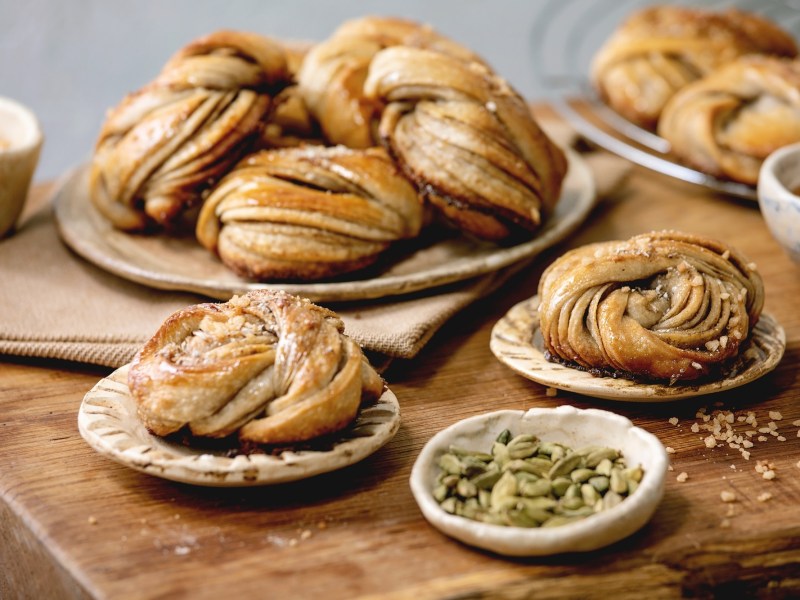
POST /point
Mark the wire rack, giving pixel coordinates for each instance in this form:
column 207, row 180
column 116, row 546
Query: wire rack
column 566, row 35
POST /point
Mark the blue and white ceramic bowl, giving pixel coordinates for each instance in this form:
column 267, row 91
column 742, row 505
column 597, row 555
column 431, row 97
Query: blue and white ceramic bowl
column 778, row 189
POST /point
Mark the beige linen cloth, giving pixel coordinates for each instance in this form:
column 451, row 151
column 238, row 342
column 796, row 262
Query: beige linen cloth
column 53, row 304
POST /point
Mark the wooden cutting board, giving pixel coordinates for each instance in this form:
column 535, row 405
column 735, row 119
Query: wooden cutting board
column 74, row 525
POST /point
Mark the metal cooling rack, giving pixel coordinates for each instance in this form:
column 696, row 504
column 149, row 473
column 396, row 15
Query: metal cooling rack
column 564, row 38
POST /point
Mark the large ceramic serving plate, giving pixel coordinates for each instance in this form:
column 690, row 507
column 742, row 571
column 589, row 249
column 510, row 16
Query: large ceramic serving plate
column 180, row 263
column 107, row 420
column 517, row 342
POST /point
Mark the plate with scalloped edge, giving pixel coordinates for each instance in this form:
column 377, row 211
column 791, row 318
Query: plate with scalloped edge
column 517, row 342
column 108, row 422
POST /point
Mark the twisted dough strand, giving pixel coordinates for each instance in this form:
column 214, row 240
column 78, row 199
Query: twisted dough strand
column 664, row 305
column 163, row 145
column 272, row 366
column 308, row 212
column 727, row 123
column 660, row 49
column 332, row 76
column 467, row 140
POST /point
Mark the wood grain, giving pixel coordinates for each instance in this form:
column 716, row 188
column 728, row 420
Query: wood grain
column 76, row 525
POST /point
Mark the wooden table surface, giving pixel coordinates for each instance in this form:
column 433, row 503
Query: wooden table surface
column 74, row 524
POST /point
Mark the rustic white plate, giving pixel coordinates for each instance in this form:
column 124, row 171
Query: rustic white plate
column 517, row 342
column 173, row 263
column 566, row 425
column 107, row 420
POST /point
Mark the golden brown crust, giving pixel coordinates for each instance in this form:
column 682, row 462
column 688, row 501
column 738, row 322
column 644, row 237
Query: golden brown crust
column 308, row 213
column 660, row 49
column 333, row 73
column 728, row 122
column 659, row 306
column 163, row 145
column 467, row 140
column 271, row 366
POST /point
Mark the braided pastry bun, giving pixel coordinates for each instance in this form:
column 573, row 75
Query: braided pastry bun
column 271, row 366
column 659, row 306
column 163, row 145
column 333, row 73
column 308, row 213
column 660, row 49
column 727, row 123
column 467, row 140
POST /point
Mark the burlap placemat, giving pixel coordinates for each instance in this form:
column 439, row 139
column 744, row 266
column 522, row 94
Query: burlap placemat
column 56, row 305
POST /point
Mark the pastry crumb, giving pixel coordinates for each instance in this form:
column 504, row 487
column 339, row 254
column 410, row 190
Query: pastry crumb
column 670, row 450
column 727, row 496
column 682, row 476
column 305, row 534
column 673, row 421
column 769, row 474
column 764, row 497
column 775, row 415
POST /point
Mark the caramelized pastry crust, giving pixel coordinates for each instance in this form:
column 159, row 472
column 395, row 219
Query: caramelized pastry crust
column 660, row 49
column 467, row 140
column 308, row 213
column 163, row 145
column 727, row 123
column 333, row 73
column 659, row 306
column 274, row 367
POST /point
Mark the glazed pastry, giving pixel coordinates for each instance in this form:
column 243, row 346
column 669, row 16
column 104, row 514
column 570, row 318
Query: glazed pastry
column 165, row 144
column 308, row 213
column 727, row 123
column 660, row 49
column 661, row 306
column 333, row 73
column 274, row 367
column 467, row 140
column 289, row 122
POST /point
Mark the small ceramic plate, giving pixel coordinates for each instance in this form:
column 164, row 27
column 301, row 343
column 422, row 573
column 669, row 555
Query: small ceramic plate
column 566, row 425
column 517, row 342
column 107, row 420
column 181, row 263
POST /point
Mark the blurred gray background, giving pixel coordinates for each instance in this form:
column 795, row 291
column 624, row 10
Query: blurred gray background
column 72, row 60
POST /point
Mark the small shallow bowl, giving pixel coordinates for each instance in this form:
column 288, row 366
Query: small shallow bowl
column 778, row 181
column 566, row 425
column 20, row 143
